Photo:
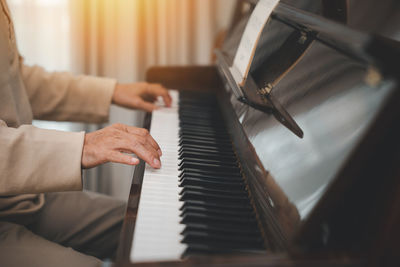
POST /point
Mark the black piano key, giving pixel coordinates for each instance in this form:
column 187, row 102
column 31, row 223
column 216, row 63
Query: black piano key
column 215, row 237
column 198, row 114
column 225, row 205
column 220, row 243
column 186, row 136
column 211, row 173
column 199, row 103
column 221, row 246
column 226, row 191
column 220, row 162
column 204, row 151
column 208, row 167
column 202, row 129
column 199, row 100
column 208, row 114
column 216, row 210
column 209, row 180
column 199, row 249
column 217, row 216
column 210, row 191
column 206, row 119
column 213, row 223
column 211, row 176
column 217, row 207
column 204, row 140
column 211, row 183
column 211, row 149
column 207, row 156
column 214, row 127
column 202, row 209
column 217, row 198
column 192, row 132
column 221, row 229
column 224, row 235
column 206, row 144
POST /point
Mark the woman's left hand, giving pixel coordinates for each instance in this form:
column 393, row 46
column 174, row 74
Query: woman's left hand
column 140, row 96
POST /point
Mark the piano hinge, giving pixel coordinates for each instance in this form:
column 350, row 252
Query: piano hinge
column 303, row 38
column 373, row 76
column 266, row 91
column 279, row 111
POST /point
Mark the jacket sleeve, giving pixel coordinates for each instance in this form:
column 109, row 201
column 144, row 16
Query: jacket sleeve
column 34, row 160
column 61, row 96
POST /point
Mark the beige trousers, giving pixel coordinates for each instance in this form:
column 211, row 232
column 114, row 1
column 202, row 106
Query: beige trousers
column 72, row 229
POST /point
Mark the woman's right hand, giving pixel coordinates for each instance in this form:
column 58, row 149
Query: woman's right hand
column 112, row 143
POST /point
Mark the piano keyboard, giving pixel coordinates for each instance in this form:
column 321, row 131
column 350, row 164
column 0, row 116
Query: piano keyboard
column 197, row 202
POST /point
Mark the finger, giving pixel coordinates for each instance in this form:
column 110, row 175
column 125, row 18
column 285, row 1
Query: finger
column 118, row 157
column 148, row 154
column 143, row 151
column 150, row 140
column 146, row 137
column 150, row 147
column 159, row 90
column 144, row 133
column 166, row 97
column 146, row 106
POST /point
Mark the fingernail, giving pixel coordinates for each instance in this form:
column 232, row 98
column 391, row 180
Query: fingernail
column 134, row 160
column 157, row 163
column 159, row 152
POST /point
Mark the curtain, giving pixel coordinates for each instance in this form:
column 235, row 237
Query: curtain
column 122, row 38
column 118, row 39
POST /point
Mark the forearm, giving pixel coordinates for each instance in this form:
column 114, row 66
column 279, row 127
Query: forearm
column 62, row 96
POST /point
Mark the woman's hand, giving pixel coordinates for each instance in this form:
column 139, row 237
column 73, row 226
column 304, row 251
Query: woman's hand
column 140, row 96
column 112, row 143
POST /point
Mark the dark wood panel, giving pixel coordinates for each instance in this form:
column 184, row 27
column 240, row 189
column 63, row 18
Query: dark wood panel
column 251, row 261
column 359, row 210
column 128, row 227
column 335, row 10
column 202, row 78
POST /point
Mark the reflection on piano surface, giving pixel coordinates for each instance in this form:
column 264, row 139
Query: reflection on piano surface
column 238, row 187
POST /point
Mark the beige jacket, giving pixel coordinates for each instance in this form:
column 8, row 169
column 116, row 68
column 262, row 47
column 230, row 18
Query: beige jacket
column 34, row 160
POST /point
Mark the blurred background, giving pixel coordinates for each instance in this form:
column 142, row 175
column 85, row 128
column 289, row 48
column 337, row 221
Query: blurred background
column 118, row 39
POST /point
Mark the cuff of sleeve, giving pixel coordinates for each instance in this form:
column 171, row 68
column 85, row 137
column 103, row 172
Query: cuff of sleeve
column 99, row 92
column 73, row 180
column 64, row 162
column 39, row 161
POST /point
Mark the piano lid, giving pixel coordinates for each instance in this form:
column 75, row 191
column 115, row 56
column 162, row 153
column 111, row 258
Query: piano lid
column 329, row 94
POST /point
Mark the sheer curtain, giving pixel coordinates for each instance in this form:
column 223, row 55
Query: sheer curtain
column 41, row 42
column 118, row 39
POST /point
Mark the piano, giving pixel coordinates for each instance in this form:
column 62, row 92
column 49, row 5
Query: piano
column 299, row 166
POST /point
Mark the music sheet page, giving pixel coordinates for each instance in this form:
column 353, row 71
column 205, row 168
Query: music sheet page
column 251, row 35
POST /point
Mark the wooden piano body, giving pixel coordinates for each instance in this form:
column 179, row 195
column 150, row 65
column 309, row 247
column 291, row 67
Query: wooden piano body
column 331, row 198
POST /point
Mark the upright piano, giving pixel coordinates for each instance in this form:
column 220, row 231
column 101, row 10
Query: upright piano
column 298, row 166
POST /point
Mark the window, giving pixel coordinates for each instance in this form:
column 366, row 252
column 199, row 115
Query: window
column 43, row 35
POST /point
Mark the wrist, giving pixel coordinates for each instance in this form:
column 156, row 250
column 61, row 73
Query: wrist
column 115, row 93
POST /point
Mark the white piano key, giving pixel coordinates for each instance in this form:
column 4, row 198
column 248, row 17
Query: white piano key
column 157, row 231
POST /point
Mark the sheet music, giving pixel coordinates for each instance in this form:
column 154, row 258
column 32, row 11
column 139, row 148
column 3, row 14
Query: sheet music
column 251, row 35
